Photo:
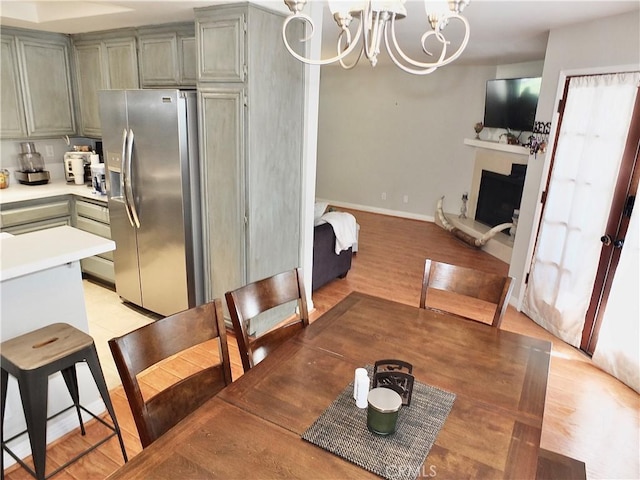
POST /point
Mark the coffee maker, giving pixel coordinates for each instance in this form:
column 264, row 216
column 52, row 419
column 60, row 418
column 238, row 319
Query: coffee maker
column 32, row 170
column 68, row 166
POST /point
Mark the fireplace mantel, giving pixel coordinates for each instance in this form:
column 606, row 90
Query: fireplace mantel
column 503, row 147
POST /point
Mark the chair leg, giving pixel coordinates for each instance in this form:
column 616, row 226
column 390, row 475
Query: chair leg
column 98, row 376
column 71, row 379
column 34, row 404
column 3, row 391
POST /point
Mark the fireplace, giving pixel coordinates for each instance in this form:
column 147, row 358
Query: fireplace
column 499, row 195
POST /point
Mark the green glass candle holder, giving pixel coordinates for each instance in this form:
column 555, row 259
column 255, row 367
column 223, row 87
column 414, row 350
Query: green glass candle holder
column 382, row 410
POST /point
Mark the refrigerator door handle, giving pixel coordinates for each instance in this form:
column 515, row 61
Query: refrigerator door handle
column 128, row 180
column 123, row 197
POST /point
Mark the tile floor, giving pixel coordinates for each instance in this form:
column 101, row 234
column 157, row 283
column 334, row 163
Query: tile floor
column 110, row 317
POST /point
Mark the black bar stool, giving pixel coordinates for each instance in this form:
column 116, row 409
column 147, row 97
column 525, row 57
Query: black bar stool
column 31, row 358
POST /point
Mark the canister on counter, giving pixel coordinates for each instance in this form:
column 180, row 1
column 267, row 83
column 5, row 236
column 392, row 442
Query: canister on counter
column 4, row 178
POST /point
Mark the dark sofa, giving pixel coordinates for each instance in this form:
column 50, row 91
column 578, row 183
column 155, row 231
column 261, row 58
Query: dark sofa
column 327, row 265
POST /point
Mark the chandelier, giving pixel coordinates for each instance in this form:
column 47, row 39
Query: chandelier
column 377, row 21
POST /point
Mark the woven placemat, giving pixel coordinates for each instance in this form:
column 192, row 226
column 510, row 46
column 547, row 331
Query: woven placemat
column 342, row 430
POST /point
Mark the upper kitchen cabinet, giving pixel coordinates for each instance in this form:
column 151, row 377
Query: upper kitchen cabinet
column 104, row 61
column 13, row 121
column 167, row 56
column 220, row 34
column 36, row 67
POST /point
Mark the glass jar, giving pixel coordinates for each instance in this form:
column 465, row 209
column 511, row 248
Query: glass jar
column 382, row 411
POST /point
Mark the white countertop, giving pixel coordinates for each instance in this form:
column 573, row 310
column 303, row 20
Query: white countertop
column 18, row 192
column 32, row 252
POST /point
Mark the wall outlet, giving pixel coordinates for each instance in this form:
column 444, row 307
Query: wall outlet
column 48, row 151
column 384, row 195
column 405, row 199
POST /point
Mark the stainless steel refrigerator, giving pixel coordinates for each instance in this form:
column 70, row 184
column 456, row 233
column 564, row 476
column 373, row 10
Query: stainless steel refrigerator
column 150, row 148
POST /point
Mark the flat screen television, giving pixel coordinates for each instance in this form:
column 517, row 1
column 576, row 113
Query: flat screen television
column 511, row 103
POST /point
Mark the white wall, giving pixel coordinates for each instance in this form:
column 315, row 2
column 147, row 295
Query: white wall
column 517, row 70
column 383, row 130
column 605, row 43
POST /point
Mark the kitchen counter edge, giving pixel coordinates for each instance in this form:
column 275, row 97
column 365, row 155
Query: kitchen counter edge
column 21, row 193
column 36, row 251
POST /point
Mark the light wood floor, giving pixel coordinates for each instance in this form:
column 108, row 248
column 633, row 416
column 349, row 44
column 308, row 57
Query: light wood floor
column 589, row 415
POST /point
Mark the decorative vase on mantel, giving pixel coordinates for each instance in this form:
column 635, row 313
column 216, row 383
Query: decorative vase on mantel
column 478, row 128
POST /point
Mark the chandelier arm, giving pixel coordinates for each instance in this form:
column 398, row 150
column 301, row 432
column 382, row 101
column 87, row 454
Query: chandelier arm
column 441, row 60
column 428, row 66
column 366, row 17
column 375, row 34
column 307, row 19
column 423, row 71
column 349, row 67
column 403, row 67
column 465, row 40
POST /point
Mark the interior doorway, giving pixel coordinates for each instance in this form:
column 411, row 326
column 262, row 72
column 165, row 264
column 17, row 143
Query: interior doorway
column 587, row 207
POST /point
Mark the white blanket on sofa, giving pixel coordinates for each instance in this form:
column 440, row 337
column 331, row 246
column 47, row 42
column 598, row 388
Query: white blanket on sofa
column 344, row 227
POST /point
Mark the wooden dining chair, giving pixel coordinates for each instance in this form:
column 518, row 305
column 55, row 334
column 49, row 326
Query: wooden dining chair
column 149, row 345
column 245, row 303
column 468, row 282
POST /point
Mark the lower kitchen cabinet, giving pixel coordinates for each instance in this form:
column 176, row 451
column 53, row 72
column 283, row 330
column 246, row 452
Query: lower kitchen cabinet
column 93, row 216
column 31, row 215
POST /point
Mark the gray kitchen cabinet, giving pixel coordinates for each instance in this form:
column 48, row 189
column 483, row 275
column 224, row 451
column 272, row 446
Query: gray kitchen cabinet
column 250, row 153
column 188, row 70
column 31, row 215
column 167, row 55
column 44, row 96
column 12, row 110
column 102, row 62
column 222, row 128
column 93, row 216
column 221, row 44
column 89, row 80
column 121, row 57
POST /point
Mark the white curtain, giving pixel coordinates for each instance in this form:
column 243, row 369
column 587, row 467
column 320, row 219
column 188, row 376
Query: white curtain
column 587, row 160
column 618, row 349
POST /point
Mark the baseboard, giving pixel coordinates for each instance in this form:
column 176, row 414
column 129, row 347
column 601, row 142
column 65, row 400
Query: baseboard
column 382, row 211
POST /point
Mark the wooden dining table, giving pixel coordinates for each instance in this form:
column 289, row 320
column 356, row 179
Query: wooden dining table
column 253, row 428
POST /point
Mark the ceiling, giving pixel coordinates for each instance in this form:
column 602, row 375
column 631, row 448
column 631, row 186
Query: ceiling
column 502, row 31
